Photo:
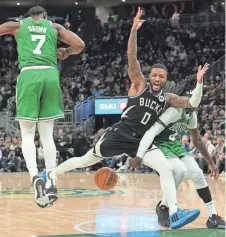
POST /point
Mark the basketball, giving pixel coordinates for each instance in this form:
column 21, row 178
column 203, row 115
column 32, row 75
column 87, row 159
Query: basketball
column 105, row 178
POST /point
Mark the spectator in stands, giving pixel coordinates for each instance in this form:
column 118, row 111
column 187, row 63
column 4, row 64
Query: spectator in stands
column 185, row 143
column 219, row 152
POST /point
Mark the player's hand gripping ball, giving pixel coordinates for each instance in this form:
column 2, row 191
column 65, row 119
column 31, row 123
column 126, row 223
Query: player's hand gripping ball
column 105, row 178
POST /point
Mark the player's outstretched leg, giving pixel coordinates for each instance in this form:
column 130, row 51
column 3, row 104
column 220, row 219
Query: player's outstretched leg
column 156, row 160
column 196, row 174
column 29, row 152
column 76, row 162
column 45, row 129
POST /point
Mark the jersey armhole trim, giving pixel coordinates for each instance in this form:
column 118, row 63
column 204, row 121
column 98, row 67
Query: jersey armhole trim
column 160, row 122
column 21, row 22
column 135, row 96
column 51, row 23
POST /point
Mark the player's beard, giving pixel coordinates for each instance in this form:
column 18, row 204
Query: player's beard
column 156, row 89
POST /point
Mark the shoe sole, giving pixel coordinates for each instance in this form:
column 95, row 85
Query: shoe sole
column 163, row 225
column 52, row 198
column 41, row 199
column 216, row 227
column 190, row 218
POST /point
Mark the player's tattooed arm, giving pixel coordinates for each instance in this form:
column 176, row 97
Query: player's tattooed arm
column 194, row 101
column 9, row 28
column 178, row 101
column 200, row 145
column 134, row 70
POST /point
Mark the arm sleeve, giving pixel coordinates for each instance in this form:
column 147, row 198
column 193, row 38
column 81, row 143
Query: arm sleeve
column 193, row 122
column 197, row 96
column 171, row 115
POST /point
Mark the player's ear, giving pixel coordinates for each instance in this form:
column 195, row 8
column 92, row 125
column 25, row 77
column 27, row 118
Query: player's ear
column 45, row 15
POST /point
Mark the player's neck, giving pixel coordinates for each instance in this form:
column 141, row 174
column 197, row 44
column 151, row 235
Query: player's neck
column 37, row 18
column 155, row 93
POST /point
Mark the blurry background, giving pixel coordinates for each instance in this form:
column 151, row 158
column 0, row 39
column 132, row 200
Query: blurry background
column 182, row 35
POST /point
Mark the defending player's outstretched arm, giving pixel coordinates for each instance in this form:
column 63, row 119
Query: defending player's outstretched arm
column 193, row 102
column 9, row 28
column 70, row 38
column 171, row 115
column 134, row 70
column 201, row 146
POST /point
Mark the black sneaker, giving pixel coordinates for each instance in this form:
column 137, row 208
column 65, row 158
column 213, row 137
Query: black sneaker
column 52, row 195
column 216, row 222
column 39, row 186
column 51, row 192
column 163, row 215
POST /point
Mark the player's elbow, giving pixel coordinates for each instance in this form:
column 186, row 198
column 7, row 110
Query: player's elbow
column 80, row 46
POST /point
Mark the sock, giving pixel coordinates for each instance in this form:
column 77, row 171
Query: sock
column 28, row 146
column 77, row 162
column 45, row 129
column 205, row 195
column 210, row 208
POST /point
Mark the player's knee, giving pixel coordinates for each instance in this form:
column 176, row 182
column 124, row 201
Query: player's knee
column 27, row 128
column 165, row 169
column 198, row 177
column 180, row 170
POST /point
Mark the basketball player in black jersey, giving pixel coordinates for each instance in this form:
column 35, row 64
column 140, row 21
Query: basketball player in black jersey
column 145, row 105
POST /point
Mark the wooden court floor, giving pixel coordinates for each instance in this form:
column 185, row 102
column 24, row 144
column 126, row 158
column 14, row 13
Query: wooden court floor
column 83, row 210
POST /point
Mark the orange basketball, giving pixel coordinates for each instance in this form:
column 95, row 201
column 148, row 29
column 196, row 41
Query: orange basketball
column 105, row 178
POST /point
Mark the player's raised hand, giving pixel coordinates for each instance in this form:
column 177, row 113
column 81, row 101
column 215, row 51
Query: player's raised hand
column 137, row 22
column 62, row 53
column 201, row 72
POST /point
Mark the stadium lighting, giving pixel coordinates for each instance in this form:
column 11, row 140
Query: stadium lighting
column 18, row 4
column 123, row 0
column 76, row 3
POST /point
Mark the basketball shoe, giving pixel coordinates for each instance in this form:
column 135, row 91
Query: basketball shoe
column 162, row 212
column 40, row 193
column 50, row 187
column 183, row 217
column 176, row 220
column 163, row 215
column 215, row 222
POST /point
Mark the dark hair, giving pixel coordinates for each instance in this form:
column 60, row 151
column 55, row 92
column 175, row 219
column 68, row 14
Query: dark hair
column 186, row 85
column 161, row 66
column 34, row 11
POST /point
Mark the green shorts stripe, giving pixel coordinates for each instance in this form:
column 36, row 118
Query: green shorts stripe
column 172, row 149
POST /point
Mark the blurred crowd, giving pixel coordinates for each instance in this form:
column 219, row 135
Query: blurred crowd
column 101, row 70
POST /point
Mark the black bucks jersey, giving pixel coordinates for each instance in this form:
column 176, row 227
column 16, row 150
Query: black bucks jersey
column 143, row 110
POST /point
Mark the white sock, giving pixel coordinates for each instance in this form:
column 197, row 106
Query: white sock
column 45, row 129
column 77, row 162
column 210, row 208
column 28, row 146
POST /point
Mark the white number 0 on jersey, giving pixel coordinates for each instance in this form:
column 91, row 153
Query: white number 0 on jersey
column 146, row 118
column 42, row 39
